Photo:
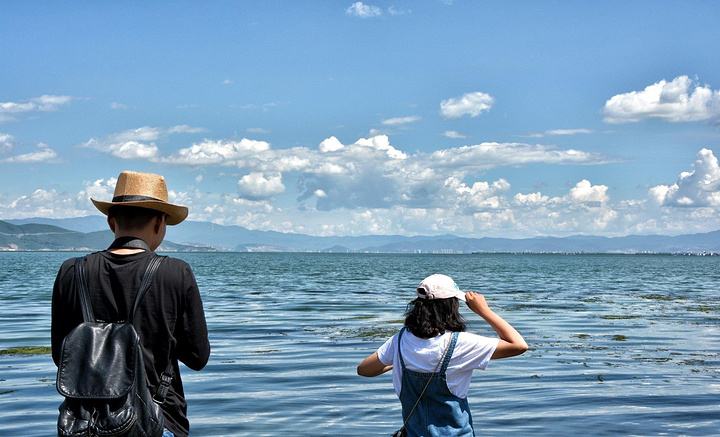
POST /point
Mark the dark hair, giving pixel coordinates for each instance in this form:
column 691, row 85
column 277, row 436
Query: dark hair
column 133, row 218
column 427, row 318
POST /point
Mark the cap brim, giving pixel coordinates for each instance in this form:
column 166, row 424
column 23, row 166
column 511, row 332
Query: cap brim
column 461, row 296
column 176, row 213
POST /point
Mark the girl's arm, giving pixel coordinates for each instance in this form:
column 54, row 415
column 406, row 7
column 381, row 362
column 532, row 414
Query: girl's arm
column 511, row 342
column 372, row 366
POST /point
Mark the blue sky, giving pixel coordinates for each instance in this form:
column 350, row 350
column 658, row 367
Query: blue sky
column 345, row 118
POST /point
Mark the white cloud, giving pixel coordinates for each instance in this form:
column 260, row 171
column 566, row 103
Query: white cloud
column 472, row 104
column 44, row 103
column 118, row 106
column 531, row 199
column 489, row 155
column 680, row 100
column 699, row 187
column 453, row 134
column 228, row 82
column 99, row 189
column 362, row 10
column 259, row 185
column 257, row 130
column 330, row 144
column 7, row 142
column 217, row 152
column 398, row 121
column 185, row 129
column 138, row 143
column 43, row 154
column 393, row 10
column 560, row 132
column 586, row 192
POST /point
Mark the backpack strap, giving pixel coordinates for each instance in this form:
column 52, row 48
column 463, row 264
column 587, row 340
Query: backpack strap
column 82, row 289
column 164, row 386
column 147, row 278
column 167, row 376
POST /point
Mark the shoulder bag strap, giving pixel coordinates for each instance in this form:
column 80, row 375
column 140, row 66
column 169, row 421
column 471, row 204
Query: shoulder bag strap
column 432, row 375
column 449, row 352
column 402, row 362
column 82, row 289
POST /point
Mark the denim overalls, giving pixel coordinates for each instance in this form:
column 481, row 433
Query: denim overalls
column 439, row 412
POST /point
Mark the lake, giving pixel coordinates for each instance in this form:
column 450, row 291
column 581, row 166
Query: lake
column 619, row 344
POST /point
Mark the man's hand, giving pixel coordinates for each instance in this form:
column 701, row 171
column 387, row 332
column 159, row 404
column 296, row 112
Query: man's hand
column 476, row 302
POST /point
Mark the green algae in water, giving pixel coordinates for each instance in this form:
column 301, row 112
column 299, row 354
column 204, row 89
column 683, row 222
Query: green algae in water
column 619, row 337
column 659, row 297
column 619, row 316
column 26, row 350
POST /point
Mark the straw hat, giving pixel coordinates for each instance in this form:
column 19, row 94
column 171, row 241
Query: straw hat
column 143, row 190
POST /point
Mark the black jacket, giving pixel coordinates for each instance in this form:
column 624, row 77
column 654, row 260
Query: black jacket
column 170, row 319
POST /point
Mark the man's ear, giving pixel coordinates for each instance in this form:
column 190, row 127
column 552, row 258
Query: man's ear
column 159, row 220
column 111, row 222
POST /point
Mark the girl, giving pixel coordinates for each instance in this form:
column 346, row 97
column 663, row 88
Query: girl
column 434, row 358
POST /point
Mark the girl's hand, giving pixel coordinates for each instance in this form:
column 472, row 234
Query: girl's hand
column 476, row 302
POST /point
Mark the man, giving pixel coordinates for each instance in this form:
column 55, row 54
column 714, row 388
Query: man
column 170, row 319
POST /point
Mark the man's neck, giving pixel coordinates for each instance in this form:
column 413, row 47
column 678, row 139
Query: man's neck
column 127, row 250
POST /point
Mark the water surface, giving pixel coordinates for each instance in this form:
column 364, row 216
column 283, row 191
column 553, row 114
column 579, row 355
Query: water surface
column 619, row 344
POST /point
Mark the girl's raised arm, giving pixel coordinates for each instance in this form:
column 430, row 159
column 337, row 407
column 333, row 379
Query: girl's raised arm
column 511, row 342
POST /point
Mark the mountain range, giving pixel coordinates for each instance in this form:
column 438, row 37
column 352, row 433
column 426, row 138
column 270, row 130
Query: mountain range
column 90, row 233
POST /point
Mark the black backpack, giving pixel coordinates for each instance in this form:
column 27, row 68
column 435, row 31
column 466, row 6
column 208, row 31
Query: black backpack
column 102, row 374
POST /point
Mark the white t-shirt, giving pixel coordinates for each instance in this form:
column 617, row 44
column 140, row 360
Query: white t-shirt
column 472, row 352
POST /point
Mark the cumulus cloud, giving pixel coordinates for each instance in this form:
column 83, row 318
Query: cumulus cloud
column 259, row 185
column 699, row 187
column 680, row 100
column 472, row 104
column 43, row 154
column 137, row 143
column 531, row 199
column 217, row 152
column 100, row 189
column 586, row 192
column 398, row 121
column 362, row 10
column 370, row 172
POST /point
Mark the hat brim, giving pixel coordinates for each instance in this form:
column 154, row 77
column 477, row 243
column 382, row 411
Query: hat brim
column 176, row 213
column 459, row 294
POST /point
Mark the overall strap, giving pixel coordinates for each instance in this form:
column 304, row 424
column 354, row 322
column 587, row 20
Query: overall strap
column 402, row 362
column 449, row 352
column 82, row 289
column 147, row 278
column 129, row 243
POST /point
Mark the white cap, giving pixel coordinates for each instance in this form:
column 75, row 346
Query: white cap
column 439, row 287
